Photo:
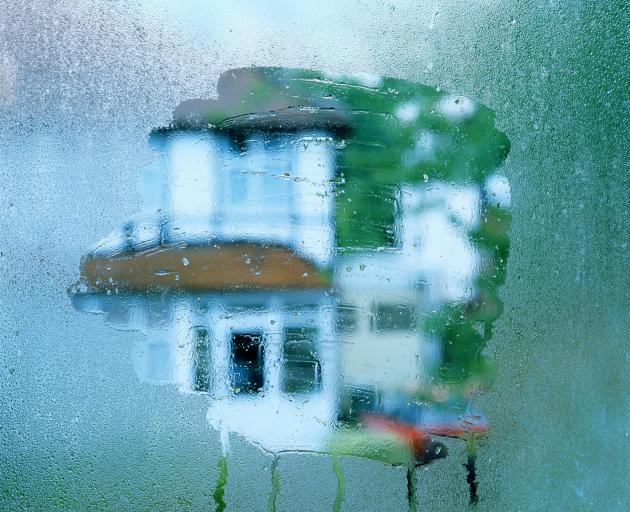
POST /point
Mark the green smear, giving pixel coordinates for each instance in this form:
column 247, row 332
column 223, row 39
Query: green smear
column 341, row 485
column 219, row 490
column 380, row 446
column 275, row 485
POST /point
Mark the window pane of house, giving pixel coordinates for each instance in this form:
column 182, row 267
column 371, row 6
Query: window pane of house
column 201, row 366
column 302, row 370
column 247, row 363
column 393, row 317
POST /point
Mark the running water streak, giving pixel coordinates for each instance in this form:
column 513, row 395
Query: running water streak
column 411, row 488
column 341, row 484
column 275, row 485
column 471, row 478
column 219, row 491
column 471, row 470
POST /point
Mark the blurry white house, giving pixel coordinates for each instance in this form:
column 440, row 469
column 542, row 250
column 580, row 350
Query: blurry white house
column 272, row 189
column 227, row 270
column 384, row 295
column 267, row 360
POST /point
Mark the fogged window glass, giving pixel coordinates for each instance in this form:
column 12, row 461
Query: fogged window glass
column 313, row 256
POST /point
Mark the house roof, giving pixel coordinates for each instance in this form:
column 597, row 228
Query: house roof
column 229, row 266
column 400, row 130
column 260, row 99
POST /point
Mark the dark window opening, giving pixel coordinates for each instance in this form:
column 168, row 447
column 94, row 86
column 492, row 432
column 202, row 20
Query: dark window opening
column 247, row 363
column 201, row 359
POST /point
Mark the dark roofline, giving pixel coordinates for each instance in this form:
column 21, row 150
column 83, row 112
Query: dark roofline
column 287, row 120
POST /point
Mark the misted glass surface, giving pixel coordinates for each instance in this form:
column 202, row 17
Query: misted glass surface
column 268, row 257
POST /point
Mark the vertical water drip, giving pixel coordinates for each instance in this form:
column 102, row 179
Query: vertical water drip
column 411, row 488
column 471, row 472
column 219, row 491
column 275, row 484
column 341, row 484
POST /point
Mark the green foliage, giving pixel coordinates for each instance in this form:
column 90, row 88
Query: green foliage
column 464, row 329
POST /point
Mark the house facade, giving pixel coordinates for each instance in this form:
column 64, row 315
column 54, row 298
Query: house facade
column 226, row 270
column 231, row 268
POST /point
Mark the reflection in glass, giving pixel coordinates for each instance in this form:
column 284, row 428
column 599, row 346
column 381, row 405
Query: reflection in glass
column 320, row 258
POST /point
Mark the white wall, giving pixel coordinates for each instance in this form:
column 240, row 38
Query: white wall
column 275, row 191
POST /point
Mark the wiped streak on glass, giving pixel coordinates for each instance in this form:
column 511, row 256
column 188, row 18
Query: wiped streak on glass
column 320, row 258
